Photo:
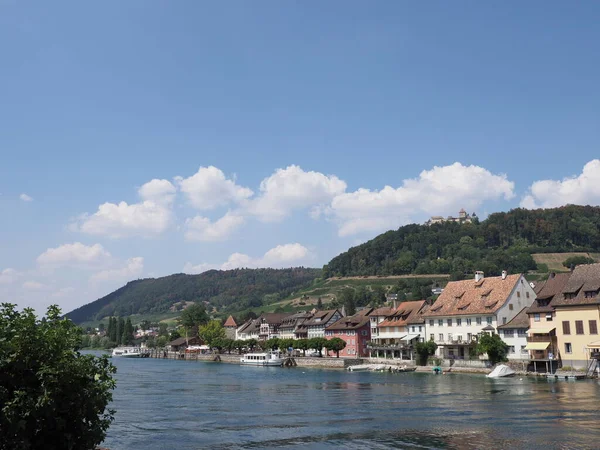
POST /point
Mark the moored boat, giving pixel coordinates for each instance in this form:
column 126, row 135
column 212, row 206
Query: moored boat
column 501, row 371
column 262, row 359
column 127, row 352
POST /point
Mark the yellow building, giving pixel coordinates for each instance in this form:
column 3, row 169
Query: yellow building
column 577, row 316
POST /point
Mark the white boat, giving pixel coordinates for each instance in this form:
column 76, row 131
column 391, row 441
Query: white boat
column 359, row 368
column 501, row 371
column 127, row 352
column 262, row 359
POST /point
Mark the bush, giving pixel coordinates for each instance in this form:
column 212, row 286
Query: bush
column 577, row 260
column 51, row 396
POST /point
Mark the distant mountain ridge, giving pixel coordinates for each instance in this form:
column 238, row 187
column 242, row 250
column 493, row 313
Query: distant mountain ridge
column 504, row 240
column 235, row 289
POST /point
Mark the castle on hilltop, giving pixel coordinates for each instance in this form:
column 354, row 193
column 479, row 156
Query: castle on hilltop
column 463, row 217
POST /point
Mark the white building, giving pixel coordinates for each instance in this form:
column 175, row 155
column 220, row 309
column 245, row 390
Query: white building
column 514, row 333
column 469, row 308
column 319, row 321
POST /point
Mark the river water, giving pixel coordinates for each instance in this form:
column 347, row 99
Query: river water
column 168, row 404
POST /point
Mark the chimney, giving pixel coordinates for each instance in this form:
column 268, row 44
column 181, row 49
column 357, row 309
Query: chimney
column 552, row 275
column 478, row 275
column 395, row 304
column 504, row 274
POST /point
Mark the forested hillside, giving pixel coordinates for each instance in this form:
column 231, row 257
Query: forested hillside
column 502, row 241
column 242, row 287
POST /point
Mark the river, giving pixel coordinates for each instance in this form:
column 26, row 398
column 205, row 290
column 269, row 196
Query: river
column 168, row 404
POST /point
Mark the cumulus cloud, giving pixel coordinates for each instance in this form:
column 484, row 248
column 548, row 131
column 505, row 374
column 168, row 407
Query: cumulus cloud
column 202, row 229
column 152, row 216
column 281, row 256
column 133, row 268
column 25, row 197
column 8, row 276
column 582, row 189
column 209, row 188
column 293, row 188
column 440, row 191
column 76, row 254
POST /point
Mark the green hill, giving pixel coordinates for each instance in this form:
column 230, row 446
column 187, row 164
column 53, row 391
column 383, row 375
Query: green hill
column 502, row 241
column 229, row 290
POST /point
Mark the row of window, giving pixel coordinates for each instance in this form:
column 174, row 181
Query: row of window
column 347, row 333
column 592, row 326
column 458, row 337
column 458, row 321
column 511, row 333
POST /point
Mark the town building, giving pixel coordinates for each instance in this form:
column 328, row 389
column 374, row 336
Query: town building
column 248, row 330
column 542, row 343
column 355, row 331
column 269, row 325
column 577, row 313
column 468, row 308
column 376, row 317
column 315, row 326
column 514, row 334
column 180, row 344
column 292, row 324
column 399, row 331
column 230, row 327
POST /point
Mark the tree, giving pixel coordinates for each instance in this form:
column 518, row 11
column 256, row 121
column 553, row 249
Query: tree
column 348, row 301
column 272, row 344
column 163, row 329
column 193, row 316
column 336, row 345
column 145, row 325
column 120, row 330
column 425, row 350
column 251, row 343
column 577, row 260
column 175, row 334
column 52, row 396
column 228, row 344
column 101, row 327
column 127, row 338
column 151, row 342
column 317, row 343
column 212, row 332
column 239, row 345
column 319, row 303
column 161, row 342
column 302, row 344
column 494, row 346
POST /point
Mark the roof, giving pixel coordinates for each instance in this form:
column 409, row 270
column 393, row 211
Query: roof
column 350, row 323
column 230, row 322
column 293, row 320
column 273, row 318
column 406, row 313
column 383, row 311
column 467, row 297
column 547, row 292
column 182, row 340
column 584, row 278
column 321, row 317
column 521, row 320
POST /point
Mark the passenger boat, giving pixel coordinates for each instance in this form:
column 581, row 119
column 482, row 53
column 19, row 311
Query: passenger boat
column 262, row 359
column 127, row 352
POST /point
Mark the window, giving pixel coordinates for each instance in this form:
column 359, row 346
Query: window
column 566, row 327
column 459, row 338
column 527, row 294
column 420, row 328
column 449, row 321
column 510, row 307
column 536, row 317
column 478, row 320
column 511, row 349
column 593, row 327
column 413, row 329
column 441, row 337
column 469, row 337
column 579, row 326
column 549, row 317
column 449, row 337
column 509, row 333
column 431, row 322
column 353, row 342
column 431, row 337
column 468, row 321
column 363, row 332
column 518, row 294
column 568, row 347
column 488, row 320
column 523, row 351
column 440, row 322
column 504, row 321
column 458, row 322
column 522, row 332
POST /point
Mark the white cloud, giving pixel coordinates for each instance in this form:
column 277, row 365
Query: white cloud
column 202, row 229
column 76, row 254
column 439, row 191
column 133, row 268
column 209, row 188
column 293, row 188
column 25, row 197
column 583, row 189
column 8, row 276
column 34, row 286
column 158, row 191
column 281, row 256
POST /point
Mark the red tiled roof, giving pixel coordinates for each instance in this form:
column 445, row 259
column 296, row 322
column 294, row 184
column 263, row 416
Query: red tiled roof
column 230, row 322
column 406, row 313
column 470, row 297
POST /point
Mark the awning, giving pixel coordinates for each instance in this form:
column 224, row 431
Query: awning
column 537, row 345
column 541, row 330
column 595, row 344
column 410, row 337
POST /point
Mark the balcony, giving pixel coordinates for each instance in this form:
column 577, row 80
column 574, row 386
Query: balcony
column 535, row 338
column 397, row 346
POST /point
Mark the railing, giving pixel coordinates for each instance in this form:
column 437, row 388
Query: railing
column 539, row 339
column 373, row 346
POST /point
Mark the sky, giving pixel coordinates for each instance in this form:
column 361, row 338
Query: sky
column 144, row 138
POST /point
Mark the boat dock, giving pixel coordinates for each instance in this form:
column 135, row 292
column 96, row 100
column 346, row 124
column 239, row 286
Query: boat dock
column 566, row 376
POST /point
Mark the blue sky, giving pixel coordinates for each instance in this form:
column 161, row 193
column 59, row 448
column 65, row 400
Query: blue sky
column 276, row 133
